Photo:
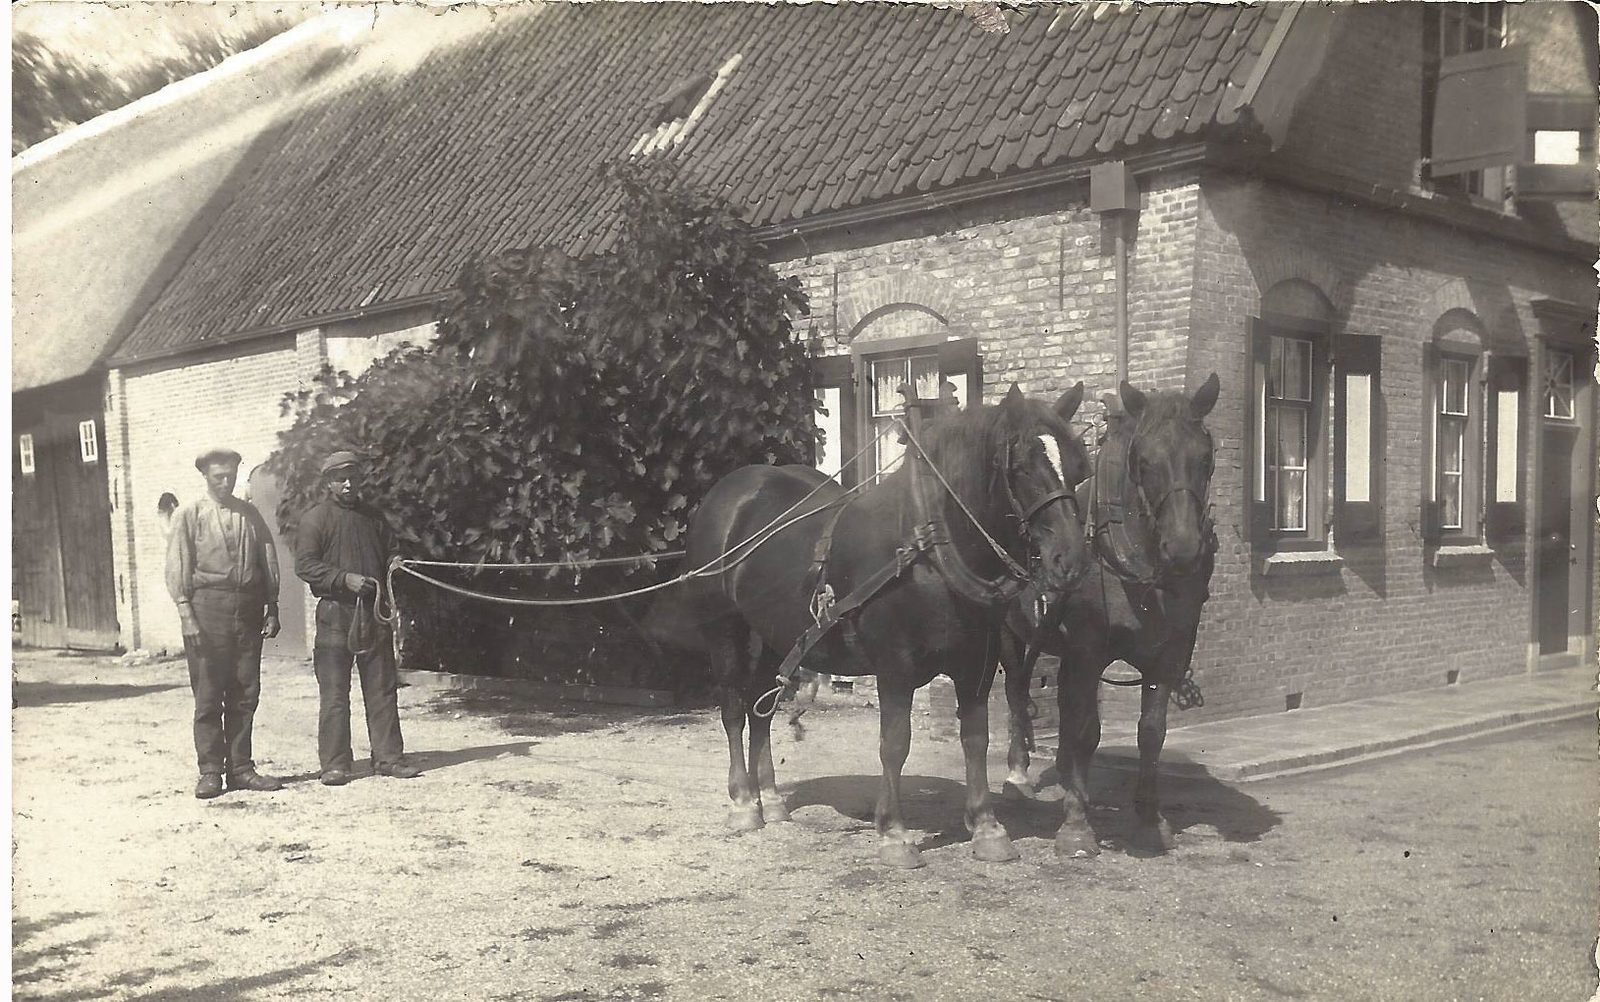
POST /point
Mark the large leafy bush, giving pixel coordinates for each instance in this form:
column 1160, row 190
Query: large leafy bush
column 574, row 408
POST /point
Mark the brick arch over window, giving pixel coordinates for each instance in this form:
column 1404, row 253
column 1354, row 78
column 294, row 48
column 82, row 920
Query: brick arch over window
column 897, row 318
column 1279, row 264
column 907, row 289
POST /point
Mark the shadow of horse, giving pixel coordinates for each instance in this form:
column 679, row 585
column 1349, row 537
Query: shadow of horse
column 933, row 804
column 1193, row 798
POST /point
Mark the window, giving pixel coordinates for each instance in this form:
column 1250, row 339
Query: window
column 1289, row 476
column 88, row 441
column 1450, row 434
column 1559, row 160
column 1558, row 385
column 25, row 452
column 1288, row 427
column 864, row 421
column 1473, row 100
column 1456, row 485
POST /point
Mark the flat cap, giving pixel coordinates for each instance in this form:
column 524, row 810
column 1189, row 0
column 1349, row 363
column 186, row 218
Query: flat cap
column 338, row 459
column 216, row 455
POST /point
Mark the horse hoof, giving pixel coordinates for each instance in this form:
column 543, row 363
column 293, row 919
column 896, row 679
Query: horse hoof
column 745, row 819
column 995, row 849
column 775, row 812
column 900, row 855
column 1153, row 838
column 1075, row 844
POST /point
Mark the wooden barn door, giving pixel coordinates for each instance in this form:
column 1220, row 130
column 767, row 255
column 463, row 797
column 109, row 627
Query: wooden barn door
column 39, row 600
column 83, row 512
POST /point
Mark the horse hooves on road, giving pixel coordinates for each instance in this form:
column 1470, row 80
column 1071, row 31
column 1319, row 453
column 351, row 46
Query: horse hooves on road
column 1076, row 844
column 775, row 812
column 746, row 819
column 900, row 855
column 995, row 849
column 1155, row 839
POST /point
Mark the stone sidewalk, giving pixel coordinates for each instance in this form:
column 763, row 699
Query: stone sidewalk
column 1320, row 737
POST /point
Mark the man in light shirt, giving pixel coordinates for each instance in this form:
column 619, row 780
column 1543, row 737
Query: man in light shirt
column 222, row 571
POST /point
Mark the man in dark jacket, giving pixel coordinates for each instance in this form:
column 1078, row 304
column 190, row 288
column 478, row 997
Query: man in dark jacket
column 342, row 548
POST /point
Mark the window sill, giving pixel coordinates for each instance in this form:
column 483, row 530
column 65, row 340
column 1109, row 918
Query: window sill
column 1474, row 555
column 1301, row 563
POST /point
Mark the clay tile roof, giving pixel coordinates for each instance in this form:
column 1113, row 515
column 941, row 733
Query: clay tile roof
column 391, row 181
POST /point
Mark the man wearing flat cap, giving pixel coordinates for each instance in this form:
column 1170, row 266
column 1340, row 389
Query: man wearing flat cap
column 342, row 549
column 222, row 571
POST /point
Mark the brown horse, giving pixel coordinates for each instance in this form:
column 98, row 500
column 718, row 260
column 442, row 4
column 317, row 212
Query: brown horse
column 1141, row 602
column 1012, row 466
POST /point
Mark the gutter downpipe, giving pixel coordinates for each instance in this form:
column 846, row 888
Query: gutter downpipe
column 1114, row 194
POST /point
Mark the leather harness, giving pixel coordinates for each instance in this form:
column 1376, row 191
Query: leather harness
column 929, row 538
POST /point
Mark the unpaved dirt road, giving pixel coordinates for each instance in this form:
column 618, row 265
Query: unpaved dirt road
column 572, row 854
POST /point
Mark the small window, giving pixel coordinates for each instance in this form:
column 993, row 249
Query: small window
column 1289, row 423
column 88, row 441
column 887, row 375
column 1452, row 442
column 1558, row 385
column 25, row 452
column 1557, row 147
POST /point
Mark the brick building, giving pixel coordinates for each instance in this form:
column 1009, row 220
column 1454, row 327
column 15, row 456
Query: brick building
column 1374, row 222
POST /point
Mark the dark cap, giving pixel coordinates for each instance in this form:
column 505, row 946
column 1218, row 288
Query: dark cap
column 340, row 459
column 218, row 455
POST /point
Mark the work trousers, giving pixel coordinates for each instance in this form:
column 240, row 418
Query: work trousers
column 332, row 658
column 225, row 674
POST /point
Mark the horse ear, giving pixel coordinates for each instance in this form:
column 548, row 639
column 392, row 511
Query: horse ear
column 1068, row 404
column 1014, row 401
column 1132, row 400
column 1205, row 398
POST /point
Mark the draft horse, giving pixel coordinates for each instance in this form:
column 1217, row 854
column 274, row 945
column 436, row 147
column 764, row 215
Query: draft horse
column 1154, row 546
column 921, row 589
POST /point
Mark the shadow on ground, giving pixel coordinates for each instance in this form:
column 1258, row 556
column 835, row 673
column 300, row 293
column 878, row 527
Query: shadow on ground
column 34, row 967
column 935, row 804
column 29, row 694
column 536, row 717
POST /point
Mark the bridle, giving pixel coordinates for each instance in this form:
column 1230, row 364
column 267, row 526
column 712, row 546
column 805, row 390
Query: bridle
column 1152, row 513
column 1025, row 514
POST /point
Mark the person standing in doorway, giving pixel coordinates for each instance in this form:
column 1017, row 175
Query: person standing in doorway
column 342, row 548
column 222, row 571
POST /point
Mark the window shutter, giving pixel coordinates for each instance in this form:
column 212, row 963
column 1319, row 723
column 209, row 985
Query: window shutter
column 1505, row 496
column 839, row 372
column 1480, row 110
column 1256, row 507
column 1558, row 113
column 1429, row 515
column 1358, row 468
column 960, row 358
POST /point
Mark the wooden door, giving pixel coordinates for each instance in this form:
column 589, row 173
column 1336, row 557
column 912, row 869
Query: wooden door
column 83, row 512
column 40, row 617
column 1557, row 548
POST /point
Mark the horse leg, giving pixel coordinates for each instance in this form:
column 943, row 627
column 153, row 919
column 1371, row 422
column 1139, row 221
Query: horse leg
column 732, row 662
column 896, row 847
column 990, row 842
column 1152, row 833
column 1078, row 697
column 769, row 801
column 1019, row 719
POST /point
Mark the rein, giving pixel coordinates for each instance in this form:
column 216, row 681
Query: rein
column 929, row 538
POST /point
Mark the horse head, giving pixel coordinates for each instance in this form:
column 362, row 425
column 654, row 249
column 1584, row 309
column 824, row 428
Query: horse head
column 1169, row 470
column 1041, row 462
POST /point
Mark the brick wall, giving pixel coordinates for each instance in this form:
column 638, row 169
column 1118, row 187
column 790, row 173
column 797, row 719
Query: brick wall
column 1034, row 283
column 169, row 413
column 1362, row 115
column 1386, row 621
